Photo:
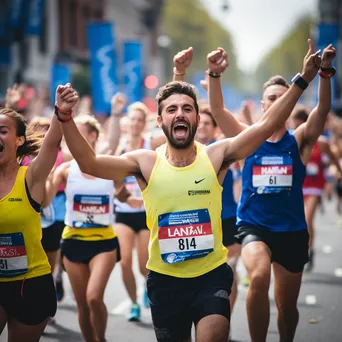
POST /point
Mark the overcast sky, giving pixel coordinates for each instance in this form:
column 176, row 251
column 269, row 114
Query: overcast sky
column 257, row 25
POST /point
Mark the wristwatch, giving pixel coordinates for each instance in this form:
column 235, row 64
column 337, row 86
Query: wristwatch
column 300, row 82
column 327, row 72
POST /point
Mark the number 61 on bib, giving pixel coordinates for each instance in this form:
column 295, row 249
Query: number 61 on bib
column 272, row 174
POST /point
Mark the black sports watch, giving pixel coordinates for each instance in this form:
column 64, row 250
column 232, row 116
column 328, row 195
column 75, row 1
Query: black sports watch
column 300, row 82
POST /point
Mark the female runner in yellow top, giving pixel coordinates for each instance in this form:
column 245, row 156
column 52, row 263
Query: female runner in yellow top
column 27, row 293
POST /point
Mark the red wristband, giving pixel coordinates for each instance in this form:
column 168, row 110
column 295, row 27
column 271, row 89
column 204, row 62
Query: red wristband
column 69, row 114
column 63, row 111
column 327, row 72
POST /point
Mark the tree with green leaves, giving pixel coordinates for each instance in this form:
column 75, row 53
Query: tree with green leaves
column 286, row 58
column 188, row 23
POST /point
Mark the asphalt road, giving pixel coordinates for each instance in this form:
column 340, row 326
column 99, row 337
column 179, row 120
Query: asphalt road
column 320, row 302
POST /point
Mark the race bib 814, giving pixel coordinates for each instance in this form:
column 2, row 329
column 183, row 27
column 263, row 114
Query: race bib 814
column 185, row 235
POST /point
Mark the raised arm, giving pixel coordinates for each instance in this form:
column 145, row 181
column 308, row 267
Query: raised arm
column 101, row 166
column 274, row 118
column 41, row 166
column 217, row 63
column 12, row 97
column 181, row 62
column 56, row 178
column 118, row 103
column 308, row 133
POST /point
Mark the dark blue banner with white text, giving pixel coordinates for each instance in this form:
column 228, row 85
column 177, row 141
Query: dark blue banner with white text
column 34, row 17
column 104, row 82
column 327, row 34
column 60, row 75
column 133, row 76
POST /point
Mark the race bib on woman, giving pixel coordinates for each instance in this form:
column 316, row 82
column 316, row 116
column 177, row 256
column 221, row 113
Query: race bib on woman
column 91, row 211
column 13, row 258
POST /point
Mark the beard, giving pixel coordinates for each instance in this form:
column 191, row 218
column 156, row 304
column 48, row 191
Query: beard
column 179, row 145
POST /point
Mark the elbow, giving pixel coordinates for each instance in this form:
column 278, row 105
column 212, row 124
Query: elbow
column 86, row 168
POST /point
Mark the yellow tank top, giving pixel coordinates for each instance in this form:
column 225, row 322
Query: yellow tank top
column 21, row 252
column 183, row 209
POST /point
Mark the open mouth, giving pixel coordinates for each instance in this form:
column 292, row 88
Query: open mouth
column 1, row 148
column 180, row 130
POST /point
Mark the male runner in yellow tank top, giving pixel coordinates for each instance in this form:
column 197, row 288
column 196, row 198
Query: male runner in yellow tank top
column 189, row 280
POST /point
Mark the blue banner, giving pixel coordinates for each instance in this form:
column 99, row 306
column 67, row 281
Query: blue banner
column 60, row 75
column 103, row 65
column 5, row 55
column 16, row 13
column 196, row 81
column 133, row 77
column 34, row 17
column 327, row 34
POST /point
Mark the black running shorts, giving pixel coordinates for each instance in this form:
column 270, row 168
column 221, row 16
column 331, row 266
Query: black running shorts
column 80, row 251
column 289, row 249
column 229, row 230
column 30, row 301
column 51, row 240
column 136, row 221
column 176, row 303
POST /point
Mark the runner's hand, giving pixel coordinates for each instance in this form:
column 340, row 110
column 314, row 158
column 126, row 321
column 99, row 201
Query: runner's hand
column 13, row 96
column 311, row 63
column 182, row 60
column 218, row 61
column 204, row 83
column 66, row 97
column 329, row 53
column 118, row 103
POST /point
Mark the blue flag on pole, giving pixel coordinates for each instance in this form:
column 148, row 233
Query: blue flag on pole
column 34, row 17
column 103, row 65
column 60, row 75
column 327, row 34
column 133, row 78
column 16, row 13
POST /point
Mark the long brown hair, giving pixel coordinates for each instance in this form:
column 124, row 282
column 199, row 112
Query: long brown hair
column 33, row 139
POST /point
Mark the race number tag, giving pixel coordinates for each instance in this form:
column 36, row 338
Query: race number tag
column 91, row 211
column 272, row 174
column 185, row 235
column 312, row 169
column 13, row 258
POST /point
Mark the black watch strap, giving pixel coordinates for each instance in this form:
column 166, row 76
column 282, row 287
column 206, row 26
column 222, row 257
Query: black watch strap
column 300, row 82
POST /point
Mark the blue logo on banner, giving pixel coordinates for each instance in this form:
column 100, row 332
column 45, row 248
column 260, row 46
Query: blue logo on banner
column 35, row 17
column 16, row 13
column 133, row 78
column 60, row 75
column 327, row 34
column 103, row 65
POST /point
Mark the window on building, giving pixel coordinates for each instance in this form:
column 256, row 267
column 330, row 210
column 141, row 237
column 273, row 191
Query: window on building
column 73, row 32
column 43, row 33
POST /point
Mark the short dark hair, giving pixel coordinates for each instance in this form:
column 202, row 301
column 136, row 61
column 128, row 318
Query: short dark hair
column 205, row 109
column 276, row 80
column 175, row 87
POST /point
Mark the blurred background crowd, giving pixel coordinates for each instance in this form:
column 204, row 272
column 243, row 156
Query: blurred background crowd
column 105, row 46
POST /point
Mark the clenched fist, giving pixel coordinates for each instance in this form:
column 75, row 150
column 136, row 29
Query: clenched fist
column 218, row 61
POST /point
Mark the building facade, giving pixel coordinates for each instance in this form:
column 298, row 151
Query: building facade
column 330, row 12
column 63, row 37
